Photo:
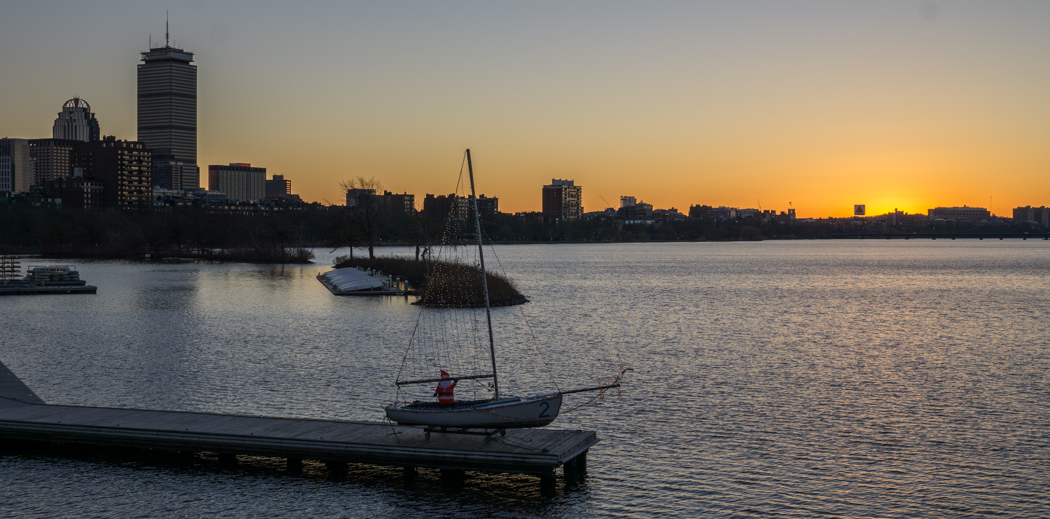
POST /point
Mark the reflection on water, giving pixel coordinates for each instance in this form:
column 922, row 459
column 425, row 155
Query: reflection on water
column 862, row 379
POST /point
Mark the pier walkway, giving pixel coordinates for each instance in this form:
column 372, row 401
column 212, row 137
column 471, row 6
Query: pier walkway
column 539, row 451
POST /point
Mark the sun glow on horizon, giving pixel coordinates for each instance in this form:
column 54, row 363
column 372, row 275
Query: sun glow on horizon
column 812, row 106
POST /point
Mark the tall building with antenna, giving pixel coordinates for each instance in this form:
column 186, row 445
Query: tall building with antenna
column 167, row 114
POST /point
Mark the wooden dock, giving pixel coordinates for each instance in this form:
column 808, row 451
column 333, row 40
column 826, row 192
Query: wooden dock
column 538, row 451
column 28, row 289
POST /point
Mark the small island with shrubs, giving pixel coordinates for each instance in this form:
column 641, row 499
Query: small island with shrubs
column 443, row 284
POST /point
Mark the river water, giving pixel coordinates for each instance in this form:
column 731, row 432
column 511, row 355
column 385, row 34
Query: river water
column 771, row 379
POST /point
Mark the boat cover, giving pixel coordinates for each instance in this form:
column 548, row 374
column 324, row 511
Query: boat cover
column 352, row 279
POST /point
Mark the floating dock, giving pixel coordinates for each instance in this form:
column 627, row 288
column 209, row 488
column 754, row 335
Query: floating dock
column 28, row 290
column 41, row 279
column 540, row 451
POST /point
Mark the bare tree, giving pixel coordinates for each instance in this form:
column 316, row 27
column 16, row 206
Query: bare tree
column 363, row 207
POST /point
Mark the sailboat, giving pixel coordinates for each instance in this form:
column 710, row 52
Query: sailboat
column 495, row 414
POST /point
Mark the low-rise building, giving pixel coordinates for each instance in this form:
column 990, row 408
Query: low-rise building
column 278, row 186
column 960, row 214
column 639, row 212
column 359, row 197
column 398, row 202
column 445, row 206
column 76, row 192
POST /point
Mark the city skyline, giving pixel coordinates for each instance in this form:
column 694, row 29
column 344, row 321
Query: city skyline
column 820, row 105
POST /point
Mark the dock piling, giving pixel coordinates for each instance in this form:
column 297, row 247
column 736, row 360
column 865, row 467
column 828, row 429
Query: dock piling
column 227, row 459
column 453, row 478
column 576, row 468
column 548, row 484
column 336, row 470
column 294, row 466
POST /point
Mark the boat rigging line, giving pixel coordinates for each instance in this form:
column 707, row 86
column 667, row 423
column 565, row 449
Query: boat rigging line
column 600, row 389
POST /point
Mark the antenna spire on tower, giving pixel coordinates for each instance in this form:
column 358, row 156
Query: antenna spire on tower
column 165, row 28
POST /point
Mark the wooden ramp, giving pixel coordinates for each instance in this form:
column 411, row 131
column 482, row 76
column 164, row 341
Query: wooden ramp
column 538, row 451
column 14, row 391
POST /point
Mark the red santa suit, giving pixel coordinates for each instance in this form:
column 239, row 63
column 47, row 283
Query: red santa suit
column 444, row 389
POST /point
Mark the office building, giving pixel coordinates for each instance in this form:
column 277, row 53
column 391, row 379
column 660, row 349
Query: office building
column 17, row 166
column 562, row 200
column 76, row 122
column 167, row 115
column 239, row 181
column 960, row 214
column 124, row 168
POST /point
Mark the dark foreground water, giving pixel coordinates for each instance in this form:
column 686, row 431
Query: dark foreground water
column 772, row 379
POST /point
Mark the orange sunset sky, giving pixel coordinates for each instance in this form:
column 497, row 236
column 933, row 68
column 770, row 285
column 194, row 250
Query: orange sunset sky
column 816, row 104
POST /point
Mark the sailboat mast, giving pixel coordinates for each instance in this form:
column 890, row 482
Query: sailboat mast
column 484, row 276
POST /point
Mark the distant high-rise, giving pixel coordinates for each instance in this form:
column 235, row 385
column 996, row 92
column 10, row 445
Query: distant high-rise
column 167, row 115
column 562, row 200
column 76, row 122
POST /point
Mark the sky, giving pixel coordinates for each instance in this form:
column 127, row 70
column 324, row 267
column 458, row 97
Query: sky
column 810, row 105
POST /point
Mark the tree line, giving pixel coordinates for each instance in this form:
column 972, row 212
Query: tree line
column 286, row 234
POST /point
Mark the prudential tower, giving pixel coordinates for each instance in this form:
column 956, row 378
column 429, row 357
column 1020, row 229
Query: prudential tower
column 167, row 115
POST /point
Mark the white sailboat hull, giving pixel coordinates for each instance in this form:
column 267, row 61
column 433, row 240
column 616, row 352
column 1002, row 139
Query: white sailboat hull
column 505, row 413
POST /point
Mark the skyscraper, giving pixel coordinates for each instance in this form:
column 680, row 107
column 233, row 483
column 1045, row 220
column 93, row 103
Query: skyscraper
column 76, row 122
column 167, row 115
